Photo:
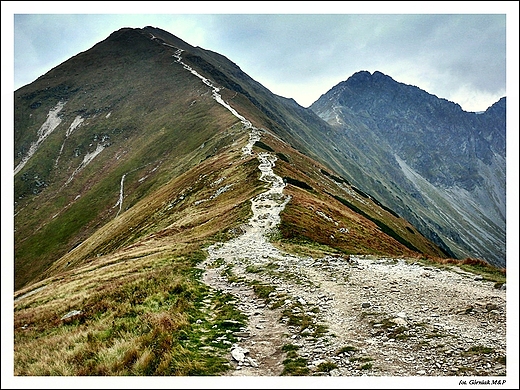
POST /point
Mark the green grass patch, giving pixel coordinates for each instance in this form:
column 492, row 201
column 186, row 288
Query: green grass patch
column 290, row 350
column 297, row 316
column 474, row 266
column 361, row 359
column 230, row 275
column 319, row 330
column 217, row 263
column 346, row 349
column 290, row 347
column 300, row 319
column 486, row 270
column 295, row 367
column 479, row 350
column 263, row 290
column 326, row 367
column 386, row 323
column 501, row 360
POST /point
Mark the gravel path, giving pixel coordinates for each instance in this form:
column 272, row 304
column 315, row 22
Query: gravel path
column 352, row 316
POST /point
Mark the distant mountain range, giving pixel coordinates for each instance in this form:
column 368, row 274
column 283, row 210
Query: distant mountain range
column 136, row 143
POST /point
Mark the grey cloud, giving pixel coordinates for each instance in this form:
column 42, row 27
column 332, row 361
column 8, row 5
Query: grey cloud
column 442, row 51
column 333, row 42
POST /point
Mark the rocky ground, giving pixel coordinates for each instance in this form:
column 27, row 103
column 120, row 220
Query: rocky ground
column 381, row 317
column 356, row 316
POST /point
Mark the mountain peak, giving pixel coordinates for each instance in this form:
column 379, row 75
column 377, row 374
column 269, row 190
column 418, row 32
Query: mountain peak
column 364, row 79
column 124, row 33
column 367, row 76
column 424, row 134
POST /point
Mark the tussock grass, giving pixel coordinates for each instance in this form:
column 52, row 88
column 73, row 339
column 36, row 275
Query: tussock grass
column 296, row 315
column 290, row 350
column 142, row 322
column 479, row 350
column 347, row 348
column 295, row 367
column 326, row 367
column 262, row 290
column 361, row 359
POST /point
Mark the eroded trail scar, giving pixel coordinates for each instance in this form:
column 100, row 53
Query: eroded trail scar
column 266, row 208
column 260, row 349
column 341, row 316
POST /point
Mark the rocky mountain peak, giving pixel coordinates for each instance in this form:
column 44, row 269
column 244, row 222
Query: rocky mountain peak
column 429, row 137
column 498, row 108
column 364, row 78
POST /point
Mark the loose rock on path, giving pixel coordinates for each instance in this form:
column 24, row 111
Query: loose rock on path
column 351, row 316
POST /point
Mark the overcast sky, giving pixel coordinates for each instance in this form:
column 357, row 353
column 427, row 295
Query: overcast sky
column 457, row 56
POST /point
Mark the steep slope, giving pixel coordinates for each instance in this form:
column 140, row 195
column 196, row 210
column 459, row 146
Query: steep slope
column 112, row 123
column 438, row 166
column 115, row 124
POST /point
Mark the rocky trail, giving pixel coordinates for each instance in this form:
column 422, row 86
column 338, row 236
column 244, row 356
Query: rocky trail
column 351, row 316
column 355, row 316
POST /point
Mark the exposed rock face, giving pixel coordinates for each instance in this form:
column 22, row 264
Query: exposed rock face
column 437, row 165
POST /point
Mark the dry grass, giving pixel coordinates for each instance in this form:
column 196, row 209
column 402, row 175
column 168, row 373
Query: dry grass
column 140, row 298
column 138, row 317
column 475, row 266
column 314, row 216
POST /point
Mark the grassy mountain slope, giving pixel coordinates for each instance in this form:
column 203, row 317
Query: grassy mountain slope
column 151, row 121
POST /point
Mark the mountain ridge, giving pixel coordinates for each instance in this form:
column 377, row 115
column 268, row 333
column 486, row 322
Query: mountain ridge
column 166, row 222
column 283, row 118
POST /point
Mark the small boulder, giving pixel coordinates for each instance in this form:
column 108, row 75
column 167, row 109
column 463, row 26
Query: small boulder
column 239, row 353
